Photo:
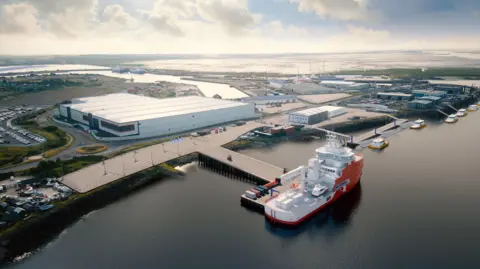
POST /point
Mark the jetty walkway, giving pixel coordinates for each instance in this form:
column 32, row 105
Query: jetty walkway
column 113, row 169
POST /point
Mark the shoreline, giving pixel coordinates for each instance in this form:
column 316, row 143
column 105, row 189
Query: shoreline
column 17, row 239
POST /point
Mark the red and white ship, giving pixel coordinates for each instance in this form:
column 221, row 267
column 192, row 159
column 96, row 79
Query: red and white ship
column 333, row 172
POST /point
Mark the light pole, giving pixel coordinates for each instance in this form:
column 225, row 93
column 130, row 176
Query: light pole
column 104, row 168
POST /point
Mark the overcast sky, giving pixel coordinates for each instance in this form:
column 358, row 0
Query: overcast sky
column 235, row 26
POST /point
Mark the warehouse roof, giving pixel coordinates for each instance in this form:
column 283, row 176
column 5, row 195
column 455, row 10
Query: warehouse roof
column 315, row 110
column 123, row 107
column 269, row 97
column 395, row 94
column 424, row 102
column 434, row 98
column 429, row 91
column 305, row 88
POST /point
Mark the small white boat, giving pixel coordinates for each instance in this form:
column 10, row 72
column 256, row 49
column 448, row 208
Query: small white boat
column 473, row 108
column 418, row 124
column 451, row 119
column 378, row 143
column 319, row 190
column 462, row 112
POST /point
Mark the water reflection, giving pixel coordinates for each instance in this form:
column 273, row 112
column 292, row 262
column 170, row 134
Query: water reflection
column 335, row 218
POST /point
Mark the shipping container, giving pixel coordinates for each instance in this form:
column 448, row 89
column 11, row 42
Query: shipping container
column 263, row 188
column 262, row 191
column 271, row 185
column 251, row 195
column 257, row 193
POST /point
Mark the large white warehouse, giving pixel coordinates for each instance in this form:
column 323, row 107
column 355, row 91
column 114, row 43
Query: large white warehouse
column 128, row 115
column 315, row 115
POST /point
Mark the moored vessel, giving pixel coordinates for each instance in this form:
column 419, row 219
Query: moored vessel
column 473, row 108
column 418, row 124
column 379, row 143
column 462, row 112
column 333, row 172
column 451, row 119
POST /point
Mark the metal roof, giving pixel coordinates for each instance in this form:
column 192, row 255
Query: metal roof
column 423, row 102
column 395, row 94
column 269, row 97
column 316, row 110
column 429, row 91
column 434, row 98
column 124, row 107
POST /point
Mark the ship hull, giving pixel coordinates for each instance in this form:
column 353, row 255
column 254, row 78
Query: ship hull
column 418, row 127
column 353, row 175
column 379, row 147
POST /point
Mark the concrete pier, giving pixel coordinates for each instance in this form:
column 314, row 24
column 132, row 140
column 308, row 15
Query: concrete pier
column 378, row 131
column 113, row 169
column 231, row 162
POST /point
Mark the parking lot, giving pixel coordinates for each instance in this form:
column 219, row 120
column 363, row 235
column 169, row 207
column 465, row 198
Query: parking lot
column 15, row 136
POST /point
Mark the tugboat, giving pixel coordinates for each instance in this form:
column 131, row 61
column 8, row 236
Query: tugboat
column 378, row 143
column 462, row 112
column 332, row 173
column 451, row 119
column 418, row 124
column 473, row 108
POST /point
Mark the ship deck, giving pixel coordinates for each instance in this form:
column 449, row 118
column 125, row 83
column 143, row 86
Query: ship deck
column 259, row 203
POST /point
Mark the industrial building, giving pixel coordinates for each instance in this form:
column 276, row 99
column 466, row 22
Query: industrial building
column 307, row 88
column 315, row 115
column 452, row 89
column 420, row 104
column 422, row 93
column 270, row 99
column 394, row 96
column 127, row 115
column 435, row 99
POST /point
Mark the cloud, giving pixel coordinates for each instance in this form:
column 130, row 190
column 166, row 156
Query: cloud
column 371, row 34
column 116, row 14
column 67, row 18
column 165, row 24
column 19, row 19
column 232, row 15
column 233, row 26
column 345, row 10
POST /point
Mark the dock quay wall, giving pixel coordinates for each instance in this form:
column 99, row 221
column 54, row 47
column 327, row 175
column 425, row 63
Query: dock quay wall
column 358, row 125
column 229, row 171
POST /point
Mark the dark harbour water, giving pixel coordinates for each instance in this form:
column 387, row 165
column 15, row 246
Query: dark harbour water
column 417, row 207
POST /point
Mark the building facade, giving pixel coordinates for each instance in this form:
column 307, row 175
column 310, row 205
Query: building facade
column 394, row 96
column 127, row 115
column 435, row 99
column 315, row 115
column 420, row 104
column 270, row 99
column 422, row 93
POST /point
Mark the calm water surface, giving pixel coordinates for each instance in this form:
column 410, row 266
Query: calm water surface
column 417, row 208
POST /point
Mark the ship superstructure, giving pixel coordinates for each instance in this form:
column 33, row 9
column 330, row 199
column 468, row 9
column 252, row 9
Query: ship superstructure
column 334, row 171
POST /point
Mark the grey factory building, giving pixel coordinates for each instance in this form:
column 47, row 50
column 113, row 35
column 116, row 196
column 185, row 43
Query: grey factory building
column 394, row 96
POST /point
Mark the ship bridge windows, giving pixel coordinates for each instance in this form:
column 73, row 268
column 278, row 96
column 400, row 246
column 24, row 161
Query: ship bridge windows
column 330, row 170
column 335, row 157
